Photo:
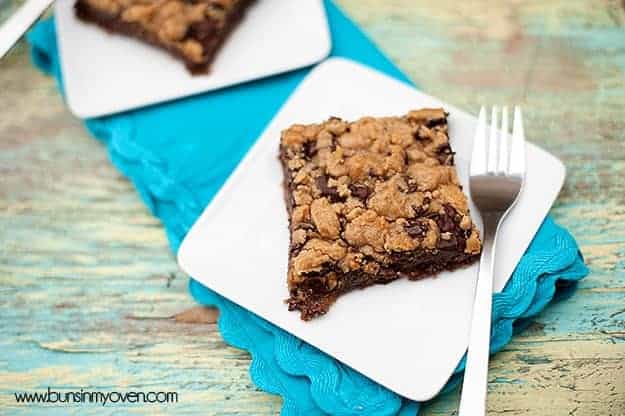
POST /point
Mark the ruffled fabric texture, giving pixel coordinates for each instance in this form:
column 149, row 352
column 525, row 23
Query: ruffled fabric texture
column 178, row 155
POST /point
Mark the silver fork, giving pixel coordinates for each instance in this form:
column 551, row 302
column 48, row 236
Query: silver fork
column 496, row 177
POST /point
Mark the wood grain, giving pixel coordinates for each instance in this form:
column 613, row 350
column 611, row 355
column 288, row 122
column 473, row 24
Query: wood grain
column 90, row 295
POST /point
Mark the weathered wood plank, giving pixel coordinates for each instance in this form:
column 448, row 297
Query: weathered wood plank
column 90, row 295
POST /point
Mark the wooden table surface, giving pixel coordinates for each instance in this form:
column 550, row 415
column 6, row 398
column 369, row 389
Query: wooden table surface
column 91, row 297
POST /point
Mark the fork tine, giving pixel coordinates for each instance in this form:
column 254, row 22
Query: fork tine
column 503, row 142
column 493, row 141
column 517, row 147
column 478, row 159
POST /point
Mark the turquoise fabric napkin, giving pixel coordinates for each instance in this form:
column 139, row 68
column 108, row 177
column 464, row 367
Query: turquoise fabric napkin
column 178, row 154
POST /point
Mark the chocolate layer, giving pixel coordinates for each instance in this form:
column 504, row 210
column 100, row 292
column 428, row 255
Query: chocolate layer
column 195, row 40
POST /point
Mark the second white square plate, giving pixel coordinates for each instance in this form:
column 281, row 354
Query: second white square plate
column 407, row 336
column 107, row 73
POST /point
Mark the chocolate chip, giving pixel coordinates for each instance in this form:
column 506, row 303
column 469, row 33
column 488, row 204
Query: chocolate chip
column 422, row 210
column 217, row 7
column 295, row 249
column 415, row 229
column 322, row 183
column 446, row 221
column 310, row 149
column 445, row 156
column 203, row 30
column 450, row 211
column 436, row 122
column 316, row 284
column 328, row 191
column 305, row 226
column 359, row 191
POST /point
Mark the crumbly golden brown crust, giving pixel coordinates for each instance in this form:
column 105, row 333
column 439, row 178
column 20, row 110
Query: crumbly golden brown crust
column 369, row 202
column 191, row 29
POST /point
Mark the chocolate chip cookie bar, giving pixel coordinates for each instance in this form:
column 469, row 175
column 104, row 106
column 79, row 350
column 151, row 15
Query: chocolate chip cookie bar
column 369, row 202
column 191, row 30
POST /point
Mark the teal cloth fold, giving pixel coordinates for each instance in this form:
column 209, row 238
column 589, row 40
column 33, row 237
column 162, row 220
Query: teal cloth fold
column 178, row 154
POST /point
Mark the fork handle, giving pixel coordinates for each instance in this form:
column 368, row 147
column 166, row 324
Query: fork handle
column 474, row 385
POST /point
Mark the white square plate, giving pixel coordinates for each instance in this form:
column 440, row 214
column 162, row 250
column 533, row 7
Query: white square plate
column 407, row 336
column 106, row 73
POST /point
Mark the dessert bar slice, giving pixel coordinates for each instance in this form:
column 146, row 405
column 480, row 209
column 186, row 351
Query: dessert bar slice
column 369, row 202
column 192, row 30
